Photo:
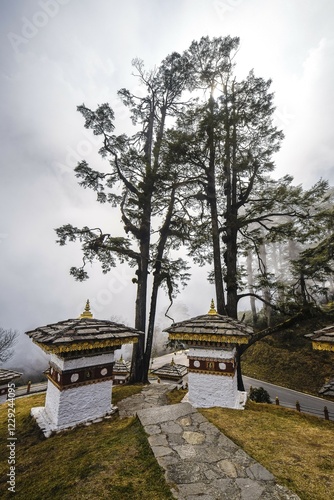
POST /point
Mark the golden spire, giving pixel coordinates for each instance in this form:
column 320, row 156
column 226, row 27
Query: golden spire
column 212, row 310
column 172, row 362
column 86, row 313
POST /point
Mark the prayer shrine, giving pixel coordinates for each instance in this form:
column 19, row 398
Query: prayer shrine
column 323, row 340
column 171, row 372
column 212, row 340
column 80, row 374
column 121, row 371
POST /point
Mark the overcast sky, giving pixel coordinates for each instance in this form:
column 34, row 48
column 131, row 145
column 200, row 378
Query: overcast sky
column 57, row 54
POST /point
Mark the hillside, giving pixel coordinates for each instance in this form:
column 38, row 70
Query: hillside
column 287, row 358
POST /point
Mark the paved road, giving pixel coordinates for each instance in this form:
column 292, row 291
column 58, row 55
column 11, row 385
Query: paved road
column 287, row 397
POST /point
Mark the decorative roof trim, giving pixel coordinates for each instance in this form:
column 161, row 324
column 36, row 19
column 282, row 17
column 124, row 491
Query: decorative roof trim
column 323, row 345
column 84, row 346
column 209, row 338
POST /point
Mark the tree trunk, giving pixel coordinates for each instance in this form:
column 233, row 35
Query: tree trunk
column 150, row 329
column 137, row 364
column 250, row 281
column 240, row 381
column 156, row 284
column 212, row 199
column 231, row 215
column 266, row 290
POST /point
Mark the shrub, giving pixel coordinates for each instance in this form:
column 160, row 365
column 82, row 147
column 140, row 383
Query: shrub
column 259, row 395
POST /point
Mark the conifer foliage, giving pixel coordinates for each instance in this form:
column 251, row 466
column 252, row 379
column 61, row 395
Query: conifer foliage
column 196, row 174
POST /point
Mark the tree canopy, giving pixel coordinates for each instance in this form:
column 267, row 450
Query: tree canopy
column 195, row 174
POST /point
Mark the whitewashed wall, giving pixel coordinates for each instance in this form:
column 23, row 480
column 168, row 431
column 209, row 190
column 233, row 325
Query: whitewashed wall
column 206, row 391
column 79, row 404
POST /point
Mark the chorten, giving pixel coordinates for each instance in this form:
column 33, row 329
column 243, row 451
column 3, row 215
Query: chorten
column 212, row 340
column 121, row 371
column 323, row 340
column 171, row 372
column 81, row 369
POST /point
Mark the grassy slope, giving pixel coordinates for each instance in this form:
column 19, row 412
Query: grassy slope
column 286, row 358
column 111, row 459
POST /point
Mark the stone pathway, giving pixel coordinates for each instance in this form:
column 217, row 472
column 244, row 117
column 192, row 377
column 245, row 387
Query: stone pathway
column 200, row 462
column 151, row 396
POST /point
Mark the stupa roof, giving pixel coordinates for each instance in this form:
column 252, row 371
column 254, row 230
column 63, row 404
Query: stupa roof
column 171, row 371
column 8, row 375
column 83, row 333
column 121, row 366
column 211, row 328
column 323, row 340
column 328, row 388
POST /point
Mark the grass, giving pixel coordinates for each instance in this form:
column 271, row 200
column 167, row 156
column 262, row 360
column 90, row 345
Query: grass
column 111, row 459
column 125, row 391
column 296, row 448
column 175, row 396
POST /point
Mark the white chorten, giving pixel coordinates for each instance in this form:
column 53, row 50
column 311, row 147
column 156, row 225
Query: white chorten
column 212, row 340
column 81, row 369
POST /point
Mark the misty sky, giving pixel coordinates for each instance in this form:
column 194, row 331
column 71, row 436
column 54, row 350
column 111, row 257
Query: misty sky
column 57, row 54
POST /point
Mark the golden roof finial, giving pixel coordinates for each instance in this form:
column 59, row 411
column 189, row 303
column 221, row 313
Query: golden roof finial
column 212, row 310
column 86, row 313
column 172, row 362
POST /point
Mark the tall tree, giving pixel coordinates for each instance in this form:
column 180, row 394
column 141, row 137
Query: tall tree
column 135, row 163
column 230, row 139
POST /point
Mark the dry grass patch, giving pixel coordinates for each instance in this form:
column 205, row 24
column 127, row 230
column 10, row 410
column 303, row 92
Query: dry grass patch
column 298, row 449
column 175, row 396
column 120, row 392
column 111, row 459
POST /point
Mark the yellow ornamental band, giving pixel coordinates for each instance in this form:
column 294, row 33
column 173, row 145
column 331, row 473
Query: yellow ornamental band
column 323, row 346
column 83, row 346
column 204, row 337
